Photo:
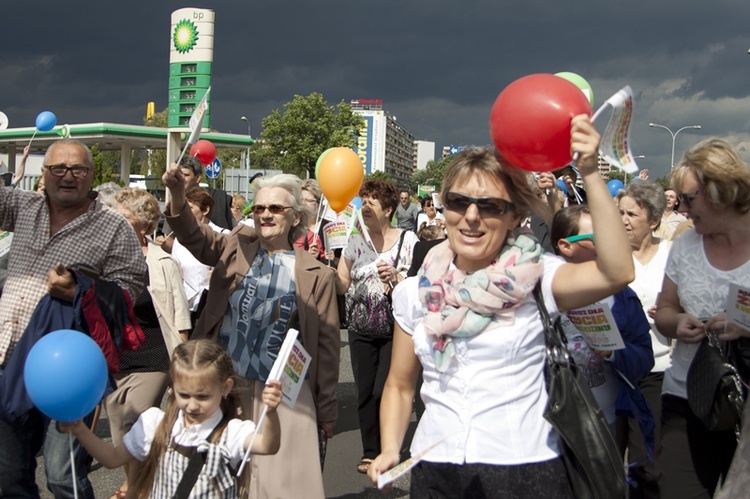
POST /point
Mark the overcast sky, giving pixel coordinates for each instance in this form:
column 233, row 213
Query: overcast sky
column 438, row 65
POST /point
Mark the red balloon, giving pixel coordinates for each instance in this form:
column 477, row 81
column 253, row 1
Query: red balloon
column 205, row 151
column 530, row 121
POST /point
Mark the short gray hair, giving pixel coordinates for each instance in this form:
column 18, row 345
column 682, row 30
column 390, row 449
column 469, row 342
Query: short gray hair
column 107, row 192
column 71, row 142
column 647, row 195
column 293, row 185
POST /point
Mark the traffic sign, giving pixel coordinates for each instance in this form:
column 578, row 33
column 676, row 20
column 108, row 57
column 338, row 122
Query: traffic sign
column 213, row 169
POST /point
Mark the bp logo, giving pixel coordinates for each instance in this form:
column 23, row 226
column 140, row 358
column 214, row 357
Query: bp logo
column 185, row 36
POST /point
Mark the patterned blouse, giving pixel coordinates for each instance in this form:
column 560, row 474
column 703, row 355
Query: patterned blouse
column 261, row 311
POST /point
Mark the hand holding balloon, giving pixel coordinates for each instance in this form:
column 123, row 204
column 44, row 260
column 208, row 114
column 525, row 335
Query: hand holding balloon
column 175, row 182
column 584, row 141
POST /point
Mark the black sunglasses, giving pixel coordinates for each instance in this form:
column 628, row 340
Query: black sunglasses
column 275, row 209
column 488, row 207
column 688, row 198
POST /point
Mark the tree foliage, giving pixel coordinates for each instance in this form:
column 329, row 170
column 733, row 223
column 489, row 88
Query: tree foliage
column 431, row 175
column 106, row 165
column 380, row 176
column 293, row 140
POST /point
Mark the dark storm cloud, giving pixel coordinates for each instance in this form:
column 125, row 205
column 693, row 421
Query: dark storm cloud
column 438, row 65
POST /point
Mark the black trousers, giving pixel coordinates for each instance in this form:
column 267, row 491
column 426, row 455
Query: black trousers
column 371, row 359
column 545, row 480
column 644, row 473
column 692, row 457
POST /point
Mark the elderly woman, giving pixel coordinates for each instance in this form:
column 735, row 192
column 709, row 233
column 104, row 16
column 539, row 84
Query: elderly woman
column 641, row 205
column 367, row 273
column 162, row 312
column 470, row 319
column 260, row 287
column 714, row 183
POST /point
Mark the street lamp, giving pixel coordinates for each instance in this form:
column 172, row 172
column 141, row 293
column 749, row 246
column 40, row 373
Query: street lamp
column 247, row 157
column 674, row 135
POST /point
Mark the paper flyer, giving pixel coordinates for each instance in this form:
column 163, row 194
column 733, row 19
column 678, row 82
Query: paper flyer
column 5, row 239
column 347, row 214
column 336, row 234
column 294, row 373
column 738, row 306
column 388, row 477
column 615, row 143
column 597, row 326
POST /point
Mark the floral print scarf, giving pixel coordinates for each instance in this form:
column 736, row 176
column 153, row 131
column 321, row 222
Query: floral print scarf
column 461, row 305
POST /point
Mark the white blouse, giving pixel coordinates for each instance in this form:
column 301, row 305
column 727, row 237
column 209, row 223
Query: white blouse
column 138, row 440
column 489, row 404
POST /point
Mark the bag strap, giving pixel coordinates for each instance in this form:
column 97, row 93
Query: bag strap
column 398, row 251
column 193, row 469
column 557, row 350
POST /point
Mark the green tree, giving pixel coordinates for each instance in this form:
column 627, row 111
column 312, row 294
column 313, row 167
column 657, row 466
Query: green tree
column 380, row 176
column 431, row 175
column 106, row 165
column 294, row 139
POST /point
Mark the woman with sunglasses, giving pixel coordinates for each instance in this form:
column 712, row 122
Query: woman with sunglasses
column 714, row 184
column 262, row 286
column 367, row 272
column 641, row 206
column 469, row 318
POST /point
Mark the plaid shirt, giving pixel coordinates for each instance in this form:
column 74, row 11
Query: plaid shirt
column 100, row 239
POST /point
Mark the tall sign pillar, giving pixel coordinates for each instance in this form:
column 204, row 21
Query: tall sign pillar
column 191, row 58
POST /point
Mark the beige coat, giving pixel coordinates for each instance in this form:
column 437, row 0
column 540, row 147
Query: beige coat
column 231, row 255
column 167, row 295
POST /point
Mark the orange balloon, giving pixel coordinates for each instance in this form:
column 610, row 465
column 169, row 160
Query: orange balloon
column 340, row 176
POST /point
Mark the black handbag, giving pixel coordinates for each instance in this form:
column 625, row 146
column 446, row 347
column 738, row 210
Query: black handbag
column 715, row 391
column 589, row 452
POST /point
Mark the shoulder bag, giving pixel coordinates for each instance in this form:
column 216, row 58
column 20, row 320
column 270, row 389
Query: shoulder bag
column 589, row 452
column 714, row 389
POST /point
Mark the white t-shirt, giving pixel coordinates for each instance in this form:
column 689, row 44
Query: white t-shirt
column 647, row 285
column 138, row 440
column 422, row 218
column 598, row 372
column 195, row 275
column 703, row 291
column 489, row 404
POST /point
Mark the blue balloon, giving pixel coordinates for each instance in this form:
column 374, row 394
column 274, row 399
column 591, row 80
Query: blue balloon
column 562, row 186
column 357, row 202
column 615, row 186
column 46, row 121
column 65, row 375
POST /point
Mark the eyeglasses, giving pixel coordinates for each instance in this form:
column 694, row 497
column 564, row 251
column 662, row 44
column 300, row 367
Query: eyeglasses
column 275, row 209
column 488, row 207
column 78, row 171
column 688, row 198
column 580, row 237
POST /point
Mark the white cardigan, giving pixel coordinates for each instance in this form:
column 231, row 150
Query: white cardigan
column 168, row 295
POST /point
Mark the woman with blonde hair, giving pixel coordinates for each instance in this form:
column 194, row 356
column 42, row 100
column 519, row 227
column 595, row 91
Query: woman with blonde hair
column 714, row 184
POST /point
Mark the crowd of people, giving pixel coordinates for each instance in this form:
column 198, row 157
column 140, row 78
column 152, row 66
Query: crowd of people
column 438, row 300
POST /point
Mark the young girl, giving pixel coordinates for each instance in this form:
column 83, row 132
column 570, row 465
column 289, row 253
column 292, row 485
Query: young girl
column 201, row 415
column 612, row 375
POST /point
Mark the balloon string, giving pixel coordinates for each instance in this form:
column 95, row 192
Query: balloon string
column 32, row 137
column 252, row 440
column 73, row 466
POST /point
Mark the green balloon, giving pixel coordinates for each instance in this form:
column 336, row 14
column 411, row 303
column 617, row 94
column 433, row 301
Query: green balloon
column 320, row 158
column 579, row 82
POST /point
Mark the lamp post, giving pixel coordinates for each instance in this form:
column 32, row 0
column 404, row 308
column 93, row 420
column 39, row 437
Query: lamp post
column 674, row 135
column 247, row 157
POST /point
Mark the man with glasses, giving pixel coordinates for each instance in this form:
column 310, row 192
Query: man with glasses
column 64, row 228
column 406, row 212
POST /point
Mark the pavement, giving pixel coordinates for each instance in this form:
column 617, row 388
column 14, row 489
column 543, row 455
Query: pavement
column 340, row 477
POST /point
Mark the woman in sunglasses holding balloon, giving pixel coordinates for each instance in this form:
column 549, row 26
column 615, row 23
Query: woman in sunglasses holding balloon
column 261, row 286
column 470, row 319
